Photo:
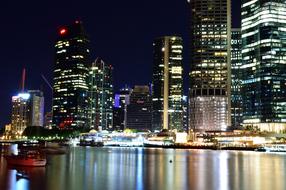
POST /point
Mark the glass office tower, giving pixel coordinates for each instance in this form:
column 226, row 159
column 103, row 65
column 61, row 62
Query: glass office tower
column 101, row 95
column 167, row 81
column 264, row 64
column 70, row 101
column 210, row 77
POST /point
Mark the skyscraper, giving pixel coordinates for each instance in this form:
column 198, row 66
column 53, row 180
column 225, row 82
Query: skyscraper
column 264, row 64
column 210, row 64
column 36, row 104
column 236, row 62
column 167, row 83
column 20, row 113
column 70, row 89
column 27, row 110
column 139, row 110
column 101, row 95
column 121, row 101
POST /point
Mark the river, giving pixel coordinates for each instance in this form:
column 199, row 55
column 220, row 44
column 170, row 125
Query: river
column 89, row 168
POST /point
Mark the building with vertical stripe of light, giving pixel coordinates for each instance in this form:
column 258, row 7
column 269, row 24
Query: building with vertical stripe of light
column 210, row 69
column 167, row 83
column 236, row 62
column 264, row 64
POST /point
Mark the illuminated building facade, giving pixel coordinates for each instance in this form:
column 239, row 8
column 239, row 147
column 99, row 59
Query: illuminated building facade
column 167, row 83
column 101, row 95
column 121, row 101
column 20, row 113
column 36, row 105
column 48, row 121
column 236, row 62
column 70, row 89
column 210, row 77
column 185, row 113
column 139, row 110
column 264, row 64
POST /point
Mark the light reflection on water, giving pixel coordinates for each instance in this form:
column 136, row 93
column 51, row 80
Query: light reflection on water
column 138, row 168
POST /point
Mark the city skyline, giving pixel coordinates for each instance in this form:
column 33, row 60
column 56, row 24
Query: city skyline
column 186, row 94
column 35, row 38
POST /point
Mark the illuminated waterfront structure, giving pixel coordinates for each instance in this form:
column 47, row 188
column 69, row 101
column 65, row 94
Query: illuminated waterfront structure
column 20, row 113
column 139, row 110
column 70, row 89
column 101, row 95
column 264, row 64
column 36, row 104
column 236, row 62
column 210, row 77
column 121, row 101
column 167, row 82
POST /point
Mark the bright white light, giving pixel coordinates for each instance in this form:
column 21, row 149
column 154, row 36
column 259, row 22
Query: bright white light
column 24, row 95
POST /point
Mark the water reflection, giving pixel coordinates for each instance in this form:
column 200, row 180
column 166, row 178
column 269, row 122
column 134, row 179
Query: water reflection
column 132, row 168
column 22, row 178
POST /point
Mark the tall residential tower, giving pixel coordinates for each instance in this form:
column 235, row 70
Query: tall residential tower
column 167, row 81
column 20, row 113
column 210, row 64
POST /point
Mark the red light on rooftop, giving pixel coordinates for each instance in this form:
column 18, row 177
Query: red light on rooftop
column 63, row 31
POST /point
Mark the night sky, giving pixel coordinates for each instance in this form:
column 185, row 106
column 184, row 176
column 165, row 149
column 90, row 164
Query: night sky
column 121, row 33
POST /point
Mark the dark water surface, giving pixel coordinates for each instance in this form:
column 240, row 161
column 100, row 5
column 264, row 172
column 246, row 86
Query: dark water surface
column 139, row 168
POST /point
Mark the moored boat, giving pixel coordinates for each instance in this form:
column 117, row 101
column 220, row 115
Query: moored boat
column 29, row 158
column 272, row 148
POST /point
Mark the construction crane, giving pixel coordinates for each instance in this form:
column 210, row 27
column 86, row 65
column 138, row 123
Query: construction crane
column 47, row 82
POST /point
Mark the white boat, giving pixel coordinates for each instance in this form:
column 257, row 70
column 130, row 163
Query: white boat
column 272, row 148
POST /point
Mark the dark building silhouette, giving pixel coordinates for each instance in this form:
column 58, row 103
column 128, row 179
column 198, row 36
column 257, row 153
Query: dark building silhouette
column 139, row 114
column 121, row 101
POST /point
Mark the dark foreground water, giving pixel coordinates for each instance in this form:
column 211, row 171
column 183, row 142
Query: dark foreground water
column 139, row 168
